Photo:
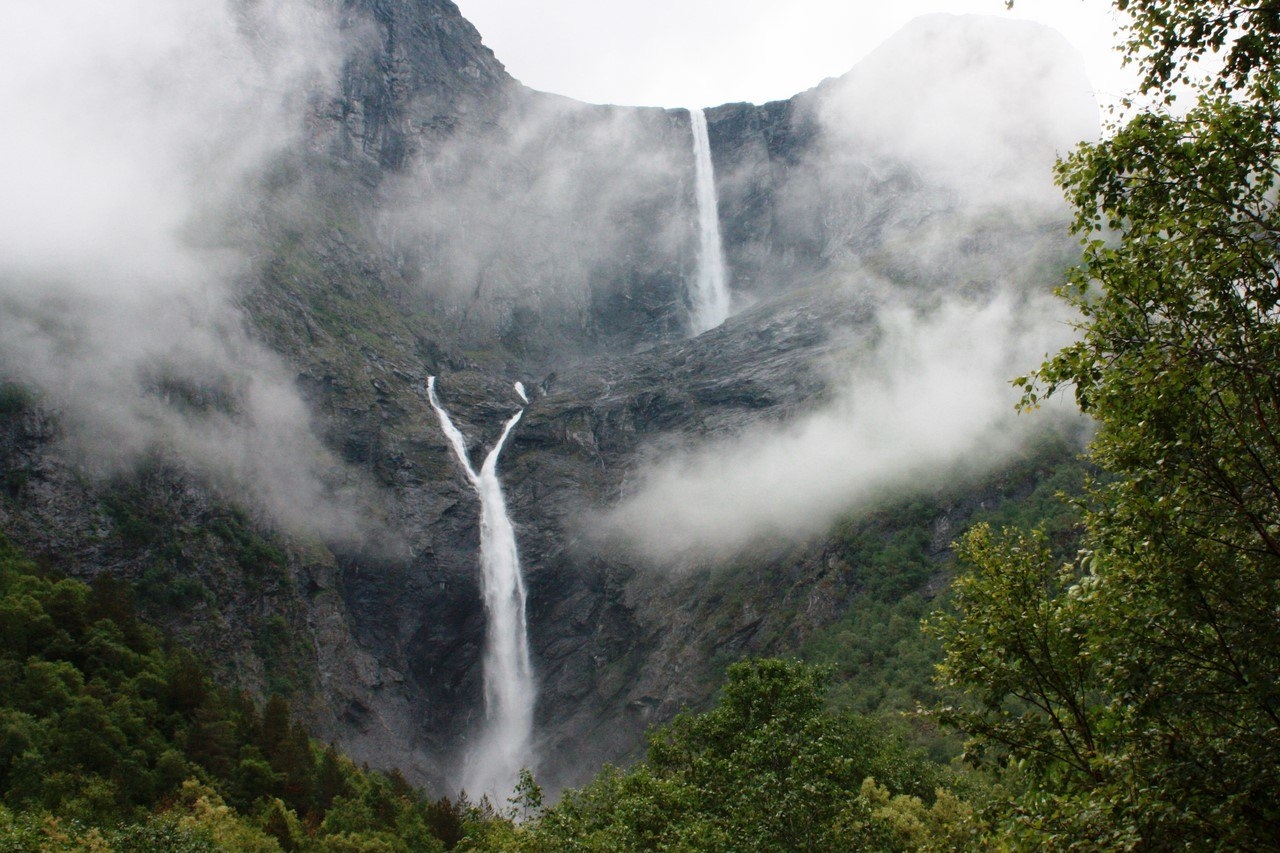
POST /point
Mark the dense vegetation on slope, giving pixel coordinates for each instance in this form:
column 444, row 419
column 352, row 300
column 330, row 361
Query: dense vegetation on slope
column 112, row 740
column 1125, row 698
column 110, row 737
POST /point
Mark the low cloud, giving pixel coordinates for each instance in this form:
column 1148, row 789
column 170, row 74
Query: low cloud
column 931, row 402
column 134, row 133
column 544, row 210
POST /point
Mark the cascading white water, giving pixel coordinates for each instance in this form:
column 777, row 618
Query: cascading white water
column 506, row 746
column 711, row 288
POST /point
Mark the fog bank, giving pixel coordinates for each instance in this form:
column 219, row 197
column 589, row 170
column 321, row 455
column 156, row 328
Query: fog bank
column 134, row 134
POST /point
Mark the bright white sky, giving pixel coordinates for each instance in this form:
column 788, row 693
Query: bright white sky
column 701, row 53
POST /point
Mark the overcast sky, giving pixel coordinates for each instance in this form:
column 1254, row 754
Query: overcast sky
column 707, row 52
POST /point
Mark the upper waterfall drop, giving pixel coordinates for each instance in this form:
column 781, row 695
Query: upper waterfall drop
column 710, row 294
column 506, row 746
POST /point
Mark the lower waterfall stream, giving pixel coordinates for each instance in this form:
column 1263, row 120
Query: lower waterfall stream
column 506, row 745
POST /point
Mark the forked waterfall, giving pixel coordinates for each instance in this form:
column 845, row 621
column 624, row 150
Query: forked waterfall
column 506, row 745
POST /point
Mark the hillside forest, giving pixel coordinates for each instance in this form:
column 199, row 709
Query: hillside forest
column 1103, row 672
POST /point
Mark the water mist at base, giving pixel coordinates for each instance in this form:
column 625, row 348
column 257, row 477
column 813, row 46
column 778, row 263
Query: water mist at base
column 506, row 746
column 710, row 294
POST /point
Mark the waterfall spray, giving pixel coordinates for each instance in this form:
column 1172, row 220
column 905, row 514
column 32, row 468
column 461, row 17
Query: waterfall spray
column 710, row 294
column 506, row 745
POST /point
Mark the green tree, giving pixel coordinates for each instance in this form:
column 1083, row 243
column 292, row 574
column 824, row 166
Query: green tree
column 1156, row 687
column 1019, row 632
column 767, row 769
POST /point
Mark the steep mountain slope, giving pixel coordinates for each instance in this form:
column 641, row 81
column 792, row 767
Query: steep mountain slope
column 439, row 219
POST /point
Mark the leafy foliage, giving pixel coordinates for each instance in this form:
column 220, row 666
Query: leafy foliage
column 1137, row 685
column 1018, row 632
column 900, row 555
column 1168, row 37
column 768, row 769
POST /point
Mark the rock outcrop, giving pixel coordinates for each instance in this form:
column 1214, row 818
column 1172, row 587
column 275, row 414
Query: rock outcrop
column 443, row 220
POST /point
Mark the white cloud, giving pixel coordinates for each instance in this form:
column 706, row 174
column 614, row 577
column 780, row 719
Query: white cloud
column 978, row 109
column 130, row 127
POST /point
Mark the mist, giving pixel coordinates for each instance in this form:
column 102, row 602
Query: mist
column 980, row 106
column 957, row 122
column 136, row 136
column 928, row 405
column 135, row 132
column 543, row 212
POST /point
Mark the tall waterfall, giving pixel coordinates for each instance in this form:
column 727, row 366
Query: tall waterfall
column 506, row 745
column 711, row 289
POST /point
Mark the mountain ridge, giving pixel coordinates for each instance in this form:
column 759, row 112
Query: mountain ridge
column 442, row 219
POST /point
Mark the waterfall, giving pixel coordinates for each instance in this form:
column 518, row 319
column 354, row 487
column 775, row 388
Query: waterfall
column 710, row 295
column 506, row 745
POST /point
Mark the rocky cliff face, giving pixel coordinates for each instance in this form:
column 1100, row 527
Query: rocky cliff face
column 416, row 72
column 442, row 220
